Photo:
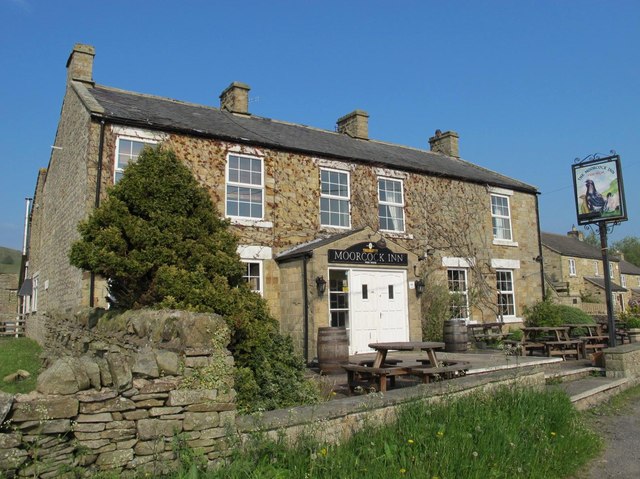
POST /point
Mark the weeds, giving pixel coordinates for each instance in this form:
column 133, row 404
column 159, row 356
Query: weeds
column 510, row 433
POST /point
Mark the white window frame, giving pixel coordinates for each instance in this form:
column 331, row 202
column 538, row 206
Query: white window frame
column 330, row 197
column 611, row 271
column 596, row 266
column 495, row 217
column 238, row 184
column 260, row 277
column 392, row 205
column 511, row 292
column 572, row 267
column 34, row 293
column 333, row 296
column 623, row 280
column 118, row 169
column 464, row 292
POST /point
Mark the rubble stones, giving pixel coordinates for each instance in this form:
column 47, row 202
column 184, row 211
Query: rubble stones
column 6, row 400
column 117, row 405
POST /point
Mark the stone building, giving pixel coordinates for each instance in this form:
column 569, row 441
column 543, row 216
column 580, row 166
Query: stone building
column 8, row 302
column 575, row 271
column 335, row 228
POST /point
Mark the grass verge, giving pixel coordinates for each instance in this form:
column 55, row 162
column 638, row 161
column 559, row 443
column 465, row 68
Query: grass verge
column 19, row 353
column 505, row 434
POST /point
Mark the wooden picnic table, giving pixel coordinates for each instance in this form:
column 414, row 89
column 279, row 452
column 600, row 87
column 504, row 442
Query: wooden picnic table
column 591, row 335
column 383, row 348
column 377, row 372
column 552, row 341
column 486, row 331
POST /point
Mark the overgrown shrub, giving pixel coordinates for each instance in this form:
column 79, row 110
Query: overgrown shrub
column 436, row 309
column 631, row 316
column 548, row 313
column 159, row 241
column 571, row 315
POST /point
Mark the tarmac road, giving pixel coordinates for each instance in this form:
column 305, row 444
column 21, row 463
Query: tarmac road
column 621, row 431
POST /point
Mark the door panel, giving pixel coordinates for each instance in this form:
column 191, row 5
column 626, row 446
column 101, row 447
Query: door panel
column 378, row 308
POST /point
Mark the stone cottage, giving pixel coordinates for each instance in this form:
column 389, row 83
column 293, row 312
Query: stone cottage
column 335, row 228
column 575, row 271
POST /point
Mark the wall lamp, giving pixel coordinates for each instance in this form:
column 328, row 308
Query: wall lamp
column 321, row 284
column 419, row 287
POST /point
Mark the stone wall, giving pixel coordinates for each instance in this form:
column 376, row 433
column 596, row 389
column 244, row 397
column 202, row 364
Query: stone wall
column 336, row 421
column 125, row 401
column 8, row 298
column 623, row 361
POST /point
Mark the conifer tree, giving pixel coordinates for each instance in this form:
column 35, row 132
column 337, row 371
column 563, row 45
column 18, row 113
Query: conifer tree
column 159, row 242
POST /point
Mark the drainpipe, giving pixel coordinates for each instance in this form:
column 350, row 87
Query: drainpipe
column 92, row 280
column 540, row 248
column 305, row 296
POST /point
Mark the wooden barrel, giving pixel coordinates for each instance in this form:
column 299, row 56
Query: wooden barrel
column 455, row 335
column 333, row 349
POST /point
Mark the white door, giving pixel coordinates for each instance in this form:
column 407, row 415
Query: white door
column 378, row 308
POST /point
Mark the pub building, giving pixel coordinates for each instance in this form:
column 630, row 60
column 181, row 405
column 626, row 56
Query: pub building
column 334, row 227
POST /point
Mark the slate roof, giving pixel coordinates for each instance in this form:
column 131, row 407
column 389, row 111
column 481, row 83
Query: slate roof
column 570, row 246
column 308, row 247
column 599, row 281
column 628, row 268
column 165, row 114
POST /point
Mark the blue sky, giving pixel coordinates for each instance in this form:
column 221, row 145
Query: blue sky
column 528, row 85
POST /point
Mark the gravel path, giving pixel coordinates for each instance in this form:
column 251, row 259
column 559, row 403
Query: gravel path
column 621, row 431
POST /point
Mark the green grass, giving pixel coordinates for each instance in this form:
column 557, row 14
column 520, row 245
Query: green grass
column 506, row 434
column 19, row 353
column 618, row 404
column 10, row 260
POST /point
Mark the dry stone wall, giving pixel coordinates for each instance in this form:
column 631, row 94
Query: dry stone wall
column 122, row 404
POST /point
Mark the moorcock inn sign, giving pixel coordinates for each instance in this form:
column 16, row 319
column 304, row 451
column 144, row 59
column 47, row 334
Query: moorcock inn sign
column 367, row 253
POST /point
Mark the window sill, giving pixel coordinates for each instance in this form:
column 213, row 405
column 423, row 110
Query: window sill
column 501, row 242
column 397, row 234
column 511, row 319
column 249, row 222
column 334, row 229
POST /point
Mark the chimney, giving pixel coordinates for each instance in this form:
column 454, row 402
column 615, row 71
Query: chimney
column 235, row 98
column 80, row 63
column 355, row 124
column 574, row 233
column 445, row 143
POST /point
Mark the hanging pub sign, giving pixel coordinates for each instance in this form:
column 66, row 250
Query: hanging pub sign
column 598, row 191
column 368, row 253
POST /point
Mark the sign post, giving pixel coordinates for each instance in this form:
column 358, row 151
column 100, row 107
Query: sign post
column 599, row 196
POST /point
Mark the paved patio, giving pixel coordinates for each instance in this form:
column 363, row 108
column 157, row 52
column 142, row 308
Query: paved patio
column 482, row 361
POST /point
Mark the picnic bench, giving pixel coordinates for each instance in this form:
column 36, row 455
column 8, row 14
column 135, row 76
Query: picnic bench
column 376, row 372
column 486, row 332
column 376, row 378
column 445, row 370
column 591, row 335
column 551, row 341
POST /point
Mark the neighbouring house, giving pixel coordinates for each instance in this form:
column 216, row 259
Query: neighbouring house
column 8, row 303
column 630, row 278
column 574, row 272
column 335, row 228
column 9, row 279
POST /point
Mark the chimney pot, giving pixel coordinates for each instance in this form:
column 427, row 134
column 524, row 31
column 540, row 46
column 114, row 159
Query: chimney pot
column 574, row 233
column 355, row 124
column 80, row 63
column 445, row 143
column 235, row 98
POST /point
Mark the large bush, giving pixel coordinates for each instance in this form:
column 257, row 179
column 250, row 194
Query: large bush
column 548, row 313
column 158, row 240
